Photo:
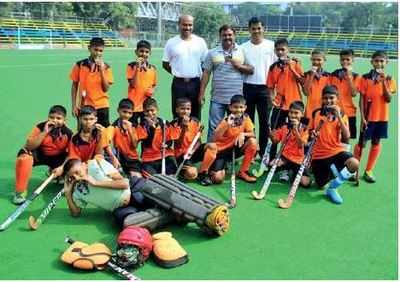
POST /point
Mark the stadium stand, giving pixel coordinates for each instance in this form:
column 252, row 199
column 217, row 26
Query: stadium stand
column 332, row 42
column 30, row 31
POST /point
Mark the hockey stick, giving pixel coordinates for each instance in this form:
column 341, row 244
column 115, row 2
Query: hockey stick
column 119, row 270
column 190, row 150
column 293, row 189
column 232, row 202
column 361, row 139
column 260, row 195
column 35, row 223
column 164, row 145
column 21, row 208
column 265, row 159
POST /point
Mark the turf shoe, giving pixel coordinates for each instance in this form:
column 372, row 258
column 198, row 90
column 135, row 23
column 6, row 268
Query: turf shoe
column 334, row 196
column 244, row 175
column 19, row 198
column 204, row 179
column 284, row 176
column 369, row 177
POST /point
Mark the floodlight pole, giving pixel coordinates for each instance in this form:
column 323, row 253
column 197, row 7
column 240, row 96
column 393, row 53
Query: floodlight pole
column 159, row 23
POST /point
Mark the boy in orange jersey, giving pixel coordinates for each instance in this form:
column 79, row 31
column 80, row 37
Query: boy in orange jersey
column 235, row 132
column 124, row 138
column 347, row 83
column 376, row 89
column 329, row 157
column 190, row 126
column 142, row 79
column 315, row 80
column 285, row 78
column 150, row 133
column 293, row 153
column 91, row 79
column 46, row 145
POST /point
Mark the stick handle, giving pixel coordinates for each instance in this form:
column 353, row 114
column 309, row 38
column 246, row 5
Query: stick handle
column 22, row 207
column 164, row 144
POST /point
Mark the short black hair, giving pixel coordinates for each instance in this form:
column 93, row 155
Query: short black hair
column 96, row 41
column 281, row 41
column 125, row 104
column 330, row 89
column 143, row 44
column 238, row 99
column 68, row 165
column 182, row 100
column 318, row 52
column 150, row 102
column 255, row 20
column 58, row 109
column 297, row 105
column 346, row 52
column 379, row 53
column 87, row 110
column 226, row 27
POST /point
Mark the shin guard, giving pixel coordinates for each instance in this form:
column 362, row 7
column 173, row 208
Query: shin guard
column 187, row 204
column 23, row 171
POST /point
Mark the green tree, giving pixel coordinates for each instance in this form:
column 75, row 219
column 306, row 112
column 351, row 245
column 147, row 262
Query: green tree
column 247, row 10
column 207, row 19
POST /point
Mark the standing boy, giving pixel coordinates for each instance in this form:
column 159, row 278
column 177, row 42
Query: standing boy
column 150, row 132
column 235, row 132
column 46, row 145
column 329, row 157
column 91, row 79
column 376, row 89
column 142, row 79
column 315, row 80
column 347, row 83
column 124, row 138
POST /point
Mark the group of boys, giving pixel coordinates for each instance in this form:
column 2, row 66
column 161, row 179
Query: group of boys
column 329, row 104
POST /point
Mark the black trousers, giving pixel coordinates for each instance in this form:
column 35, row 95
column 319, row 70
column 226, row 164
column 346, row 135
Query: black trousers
column 257, row 97
column 188, row 88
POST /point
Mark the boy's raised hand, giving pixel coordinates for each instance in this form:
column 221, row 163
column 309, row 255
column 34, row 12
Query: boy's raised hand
column 48, row 126
column 126, row 124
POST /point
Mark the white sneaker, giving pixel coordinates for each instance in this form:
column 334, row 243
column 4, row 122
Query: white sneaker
column 284, row 176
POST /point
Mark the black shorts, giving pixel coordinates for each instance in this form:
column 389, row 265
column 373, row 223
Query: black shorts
column 376, row 130
column 197, row 156
column 129, row 165
column 353, row 127
column 322, row 168
column 40, row 159
column 103, row 116
column 225, row 156
column 293, row 168
column 154, row 167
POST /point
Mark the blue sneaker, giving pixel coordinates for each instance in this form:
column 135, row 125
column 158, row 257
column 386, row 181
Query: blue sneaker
column 334, row 196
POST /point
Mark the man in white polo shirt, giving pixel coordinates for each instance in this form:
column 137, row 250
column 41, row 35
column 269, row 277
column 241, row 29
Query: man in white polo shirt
column 183, row 57
column 259, row 53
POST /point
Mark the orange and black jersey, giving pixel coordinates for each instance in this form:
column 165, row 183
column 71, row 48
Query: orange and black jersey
column 227, row 140
column 329, row 139
column 372, row 90
column 282, row 79
column 145, row 79
column 86, row 150
column 122, row 140
column 314, row 98
column 338, row 78
column 87, row 74
column 152, row 138
column 292, row 151
column 181, row 145
column 55, row 142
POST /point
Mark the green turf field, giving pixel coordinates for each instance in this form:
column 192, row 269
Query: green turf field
column 315, row 239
